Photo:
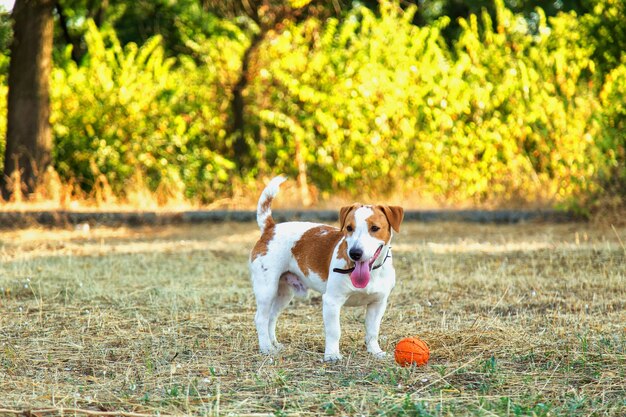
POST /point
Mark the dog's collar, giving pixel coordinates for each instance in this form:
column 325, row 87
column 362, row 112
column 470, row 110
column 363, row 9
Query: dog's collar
column 349, row 270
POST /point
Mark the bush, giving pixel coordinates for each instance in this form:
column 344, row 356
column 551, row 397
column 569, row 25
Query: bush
column 364, row 103
column 612, row 140
column 504, row 115
column 3, row 119
column 126, row 114
column 349, row 93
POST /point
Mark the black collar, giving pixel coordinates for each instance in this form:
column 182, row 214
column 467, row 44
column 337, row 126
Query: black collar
column 349, row 270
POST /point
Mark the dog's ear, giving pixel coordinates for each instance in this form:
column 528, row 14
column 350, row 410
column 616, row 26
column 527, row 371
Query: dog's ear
column 343, row 214
column 394, row 215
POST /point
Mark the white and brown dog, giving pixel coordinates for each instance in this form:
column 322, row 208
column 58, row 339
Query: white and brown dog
column 350, row 265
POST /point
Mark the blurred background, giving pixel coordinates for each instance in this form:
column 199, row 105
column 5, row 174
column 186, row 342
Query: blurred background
column 442, row 103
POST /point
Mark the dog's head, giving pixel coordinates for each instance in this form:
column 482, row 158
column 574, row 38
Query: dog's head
column 367, row 230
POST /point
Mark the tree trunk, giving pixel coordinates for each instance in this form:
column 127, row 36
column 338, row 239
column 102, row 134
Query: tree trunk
column 77, row 51
column 278, row 13
column 29, row 137
column 301, row 152
column 240, row 146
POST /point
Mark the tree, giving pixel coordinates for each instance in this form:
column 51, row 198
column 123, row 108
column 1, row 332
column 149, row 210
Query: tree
column 29, row 138
column 270, row 17
column 137, row 21
column 69, row 12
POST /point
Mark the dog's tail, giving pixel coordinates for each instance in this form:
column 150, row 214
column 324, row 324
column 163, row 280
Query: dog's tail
column 264, row 209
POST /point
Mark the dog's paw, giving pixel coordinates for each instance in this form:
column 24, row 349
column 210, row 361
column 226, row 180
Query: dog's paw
column 269, row 350
column 332, row 357
column 379, row 355
column 278, row 346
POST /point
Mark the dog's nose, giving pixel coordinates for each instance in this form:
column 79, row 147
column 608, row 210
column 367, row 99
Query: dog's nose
column 355, row 254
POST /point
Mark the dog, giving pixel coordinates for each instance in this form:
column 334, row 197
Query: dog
column 350, row 265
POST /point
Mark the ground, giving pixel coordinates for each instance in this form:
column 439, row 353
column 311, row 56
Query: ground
column 526, row 319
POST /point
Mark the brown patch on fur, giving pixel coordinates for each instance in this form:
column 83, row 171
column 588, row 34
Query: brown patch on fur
column 342, row 252
column 260, row 248
column 344, row 212
column 314, row 250
column 267, row 205
column 394, row 215
column 379, row 220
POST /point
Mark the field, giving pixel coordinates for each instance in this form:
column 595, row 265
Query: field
column 521, row 320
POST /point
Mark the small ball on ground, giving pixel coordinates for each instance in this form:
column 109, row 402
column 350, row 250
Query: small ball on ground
column 412, row 350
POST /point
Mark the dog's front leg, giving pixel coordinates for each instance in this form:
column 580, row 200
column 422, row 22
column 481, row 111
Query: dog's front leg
column 331, row 311
column 373, row 317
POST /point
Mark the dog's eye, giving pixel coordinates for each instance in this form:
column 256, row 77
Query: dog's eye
column 349, row 228
column 375, row 229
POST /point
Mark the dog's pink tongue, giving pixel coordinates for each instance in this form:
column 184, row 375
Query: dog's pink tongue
column 360, row 277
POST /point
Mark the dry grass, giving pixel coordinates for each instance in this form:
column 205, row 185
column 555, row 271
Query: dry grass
column 53, row 193
column 521, row 320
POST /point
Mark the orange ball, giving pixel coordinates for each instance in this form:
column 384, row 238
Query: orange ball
column 412, row 350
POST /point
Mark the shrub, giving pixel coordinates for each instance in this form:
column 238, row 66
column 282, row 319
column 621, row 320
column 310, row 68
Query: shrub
column 127, row 113
column 3, row 116
column 349, row 92
column 612, row 141
column 363, row 104
column 505, row 114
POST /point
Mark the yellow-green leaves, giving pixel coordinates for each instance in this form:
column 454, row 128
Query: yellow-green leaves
column 366, row 103
column 128, row 112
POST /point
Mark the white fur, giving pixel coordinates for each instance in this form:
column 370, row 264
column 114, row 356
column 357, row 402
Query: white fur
column 269, row 193
column 274, row 289
column 361, row 237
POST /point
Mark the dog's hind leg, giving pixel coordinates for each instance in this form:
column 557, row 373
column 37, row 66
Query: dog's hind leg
column 265, row 287
column 284, row 296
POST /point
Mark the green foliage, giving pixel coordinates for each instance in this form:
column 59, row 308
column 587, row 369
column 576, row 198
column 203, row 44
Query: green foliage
column 605, row 26
column 126, row 112
column 376, row 101
column 5, row 39
column 612, row 140
column 516, row 109
column 527, row 108
column 6, row 34
column 3, row 118
column 347, row 91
